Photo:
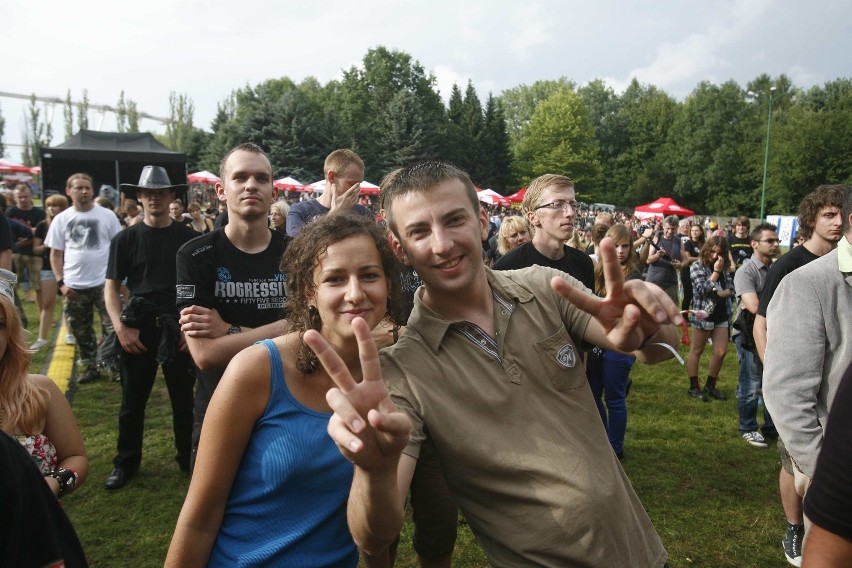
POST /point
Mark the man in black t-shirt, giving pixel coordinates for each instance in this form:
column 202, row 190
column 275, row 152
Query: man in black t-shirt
column 549, row 205
column 147, row 328
column 740, row 241
column 230, row 287
column 28, row 214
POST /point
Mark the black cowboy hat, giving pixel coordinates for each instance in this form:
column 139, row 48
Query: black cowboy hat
column 153, row 177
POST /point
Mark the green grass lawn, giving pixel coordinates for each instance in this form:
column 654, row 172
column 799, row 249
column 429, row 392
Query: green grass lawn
column 712, row 497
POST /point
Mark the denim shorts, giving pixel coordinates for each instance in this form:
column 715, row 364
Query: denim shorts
column 47, row 276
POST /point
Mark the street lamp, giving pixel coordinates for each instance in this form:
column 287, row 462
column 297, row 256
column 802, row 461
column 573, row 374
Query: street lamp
column 766, row 152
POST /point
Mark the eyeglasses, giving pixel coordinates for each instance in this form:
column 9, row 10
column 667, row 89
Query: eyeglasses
column 556, row 205
column 770, row 241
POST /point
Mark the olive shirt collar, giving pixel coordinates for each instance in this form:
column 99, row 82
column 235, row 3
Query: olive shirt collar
column 433, row 327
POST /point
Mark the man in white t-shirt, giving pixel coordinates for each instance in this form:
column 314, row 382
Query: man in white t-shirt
column 79, row 239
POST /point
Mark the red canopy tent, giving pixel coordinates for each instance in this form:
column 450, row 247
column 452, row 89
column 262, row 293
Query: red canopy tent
column 662, row 207
column 290, row 184
column 203, row 177
column 519, row 196
column 10, row 167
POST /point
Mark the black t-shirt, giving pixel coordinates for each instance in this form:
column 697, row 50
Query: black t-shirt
column 34, row 530
column 31, row 218
column 577, row 264
column 5, row 233
column 828, row 502
column 40, row 232
column 246, row 289
column 740, row 249
column 146, row 256
column 20, row 232
column 796, row 258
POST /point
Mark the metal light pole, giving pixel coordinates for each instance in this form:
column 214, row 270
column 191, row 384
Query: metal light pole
column 766, row 157
column 766, row 152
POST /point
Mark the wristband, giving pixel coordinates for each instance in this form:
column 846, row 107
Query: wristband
column 67, row 479
column 60, row 283
column 648, row 339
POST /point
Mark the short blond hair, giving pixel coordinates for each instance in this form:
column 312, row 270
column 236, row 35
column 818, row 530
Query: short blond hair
column 341, row 159
column 541, row 184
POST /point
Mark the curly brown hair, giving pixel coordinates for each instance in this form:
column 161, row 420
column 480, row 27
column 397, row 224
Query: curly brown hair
column 821, row 197
column 300, row 259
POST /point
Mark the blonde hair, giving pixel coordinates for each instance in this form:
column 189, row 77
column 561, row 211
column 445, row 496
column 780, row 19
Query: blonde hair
column 509, row 224
column 541, row 184
column 620, row 235
column 341, row 159
column 24, row 403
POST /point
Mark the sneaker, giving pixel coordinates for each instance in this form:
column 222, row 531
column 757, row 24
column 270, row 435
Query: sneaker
column 90, row 376
column 695, row 392
column 792, row 543
column 712, row 392
column 69, row 340
column 38, row 344
column 755, row 439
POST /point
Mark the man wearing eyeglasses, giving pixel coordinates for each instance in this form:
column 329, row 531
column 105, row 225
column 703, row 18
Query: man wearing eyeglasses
column 549, row 205
column 748, row 282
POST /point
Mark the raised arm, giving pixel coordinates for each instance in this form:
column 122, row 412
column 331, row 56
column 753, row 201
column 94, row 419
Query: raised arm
column 370, row 432
column 633, row 316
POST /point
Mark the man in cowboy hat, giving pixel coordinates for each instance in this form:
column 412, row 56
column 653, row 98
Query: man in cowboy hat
column 79, row 239
column 147, row 327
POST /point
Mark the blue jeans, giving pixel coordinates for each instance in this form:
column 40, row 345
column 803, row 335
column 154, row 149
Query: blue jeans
column 608, row 375
column 748, row 389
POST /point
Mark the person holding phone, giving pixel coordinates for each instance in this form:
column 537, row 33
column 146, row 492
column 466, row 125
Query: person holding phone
column 665, row 258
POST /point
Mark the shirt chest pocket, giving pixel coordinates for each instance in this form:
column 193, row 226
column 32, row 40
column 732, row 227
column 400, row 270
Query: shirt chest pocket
column 561, row 361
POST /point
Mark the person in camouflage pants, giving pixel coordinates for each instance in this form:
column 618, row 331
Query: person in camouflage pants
column 79, row 240
column 79, row 313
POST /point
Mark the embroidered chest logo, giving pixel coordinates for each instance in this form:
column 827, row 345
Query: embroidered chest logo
column 566, row 356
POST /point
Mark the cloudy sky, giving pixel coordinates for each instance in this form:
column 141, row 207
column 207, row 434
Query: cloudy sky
column 206, row 48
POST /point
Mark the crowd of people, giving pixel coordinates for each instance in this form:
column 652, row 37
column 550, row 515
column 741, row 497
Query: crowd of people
column 318, row 355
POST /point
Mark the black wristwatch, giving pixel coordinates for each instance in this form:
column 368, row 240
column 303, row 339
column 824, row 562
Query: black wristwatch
column 234, row 329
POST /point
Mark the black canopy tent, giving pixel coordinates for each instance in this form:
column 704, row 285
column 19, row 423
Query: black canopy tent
column 111, row 158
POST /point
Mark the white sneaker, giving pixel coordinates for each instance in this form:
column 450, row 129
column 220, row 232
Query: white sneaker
column 755, row 439
column 69, row 340
column 38, row 344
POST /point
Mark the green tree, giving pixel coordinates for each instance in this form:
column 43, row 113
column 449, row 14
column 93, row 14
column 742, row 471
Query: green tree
column 34, row 133
column 68, row 114
column 519, row 103
column 366, row 93
column 121, row 114
column 179, row 128
column 132, row 117
column 809, row 146
column 225, row 134
column 560, row 139
column 705, row 150
column 497, row 156
column 83, row 112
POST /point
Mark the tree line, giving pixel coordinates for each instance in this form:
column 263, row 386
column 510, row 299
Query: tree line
column 706, row 151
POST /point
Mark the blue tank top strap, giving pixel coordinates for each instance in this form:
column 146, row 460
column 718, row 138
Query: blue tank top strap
column 277, row 368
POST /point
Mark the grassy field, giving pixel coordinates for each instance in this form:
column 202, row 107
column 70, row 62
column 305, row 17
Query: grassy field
column 712, row 497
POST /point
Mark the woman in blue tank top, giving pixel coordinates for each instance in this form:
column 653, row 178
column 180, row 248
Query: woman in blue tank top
column 269, row 486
